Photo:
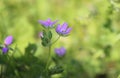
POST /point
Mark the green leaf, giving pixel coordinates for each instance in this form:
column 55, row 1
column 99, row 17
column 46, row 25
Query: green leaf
column 46, row 38
column 30, row 49
column 56, row 70
column 49, row 35
column 107, row 50
column 44, row 43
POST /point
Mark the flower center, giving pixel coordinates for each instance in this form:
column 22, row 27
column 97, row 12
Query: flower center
column 48, row 21
column 63, row 30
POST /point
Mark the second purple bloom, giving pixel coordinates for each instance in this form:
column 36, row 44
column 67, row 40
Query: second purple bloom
column 63, row 29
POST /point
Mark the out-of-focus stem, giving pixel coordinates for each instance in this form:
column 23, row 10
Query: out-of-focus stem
column 48, row 60
column 55, row 40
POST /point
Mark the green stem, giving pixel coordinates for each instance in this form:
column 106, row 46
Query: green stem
column 49, row 55
column 55, row 40
column 48, row 60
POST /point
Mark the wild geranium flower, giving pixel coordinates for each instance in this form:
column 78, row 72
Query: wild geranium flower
column 63, row 29
column 5, row 50
column 47, row 23
column 8, row 40
column 60, row 51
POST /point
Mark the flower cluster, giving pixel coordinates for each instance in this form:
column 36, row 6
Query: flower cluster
column 8, row 41
column 61, row 30
column 46, row 36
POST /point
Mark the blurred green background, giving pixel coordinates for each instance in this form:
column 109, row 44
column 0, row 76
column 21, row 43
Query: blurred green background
column 93, row 47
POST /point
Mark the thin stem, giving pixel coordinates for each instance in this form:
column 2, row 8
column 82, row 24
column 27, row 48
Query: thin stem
column 49, row 55
column 56, row 40
column 50, row 52
column 48, row 60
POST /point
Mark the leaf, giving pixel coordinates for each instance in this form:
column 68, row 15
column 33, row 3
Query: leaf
column 44, row 43
column 31, row 48
column 56, row 70
column 46, row 38
column 107, row 50
column 44, row 33
column 49, row 35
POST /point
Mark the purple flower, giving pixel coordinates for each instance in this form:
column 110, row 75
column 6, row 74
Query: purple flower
column 63, row 29
column 60, row 51
column 47, row 23
column 5, row 50
column 8, row 40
